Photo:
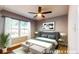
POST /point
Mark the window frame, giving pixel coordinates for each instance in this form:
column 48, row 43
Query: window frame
column 19, row 30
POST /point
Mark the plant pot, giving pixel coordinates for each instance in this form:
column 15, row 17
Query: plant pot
column 4, row 50
column 1, row 51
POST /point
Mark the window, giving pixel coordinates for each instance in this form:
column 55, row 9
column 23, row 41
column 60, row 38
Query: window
column 24, row 28
column 16, row 28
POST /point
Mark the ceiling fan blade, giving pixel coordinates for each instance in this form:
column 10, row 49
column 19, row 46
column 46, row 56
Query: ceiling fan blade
column 32, row 12
column 43, row 16
column 35, row 16
column 47, row 12
column 39, row 9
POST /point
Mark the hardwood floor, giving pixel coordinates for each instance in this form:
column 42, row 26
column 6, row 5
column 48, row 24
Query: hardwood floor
column 9, row 50
column 62, row 49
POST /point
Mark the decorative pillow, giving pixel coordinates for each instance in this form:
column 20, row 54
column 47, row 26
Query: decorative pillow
column 52, row 36
column 44, row 35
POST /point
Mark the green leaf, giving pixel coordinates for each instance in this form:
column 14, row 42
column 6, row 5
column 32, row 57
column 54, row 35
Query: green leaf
column 4, row 40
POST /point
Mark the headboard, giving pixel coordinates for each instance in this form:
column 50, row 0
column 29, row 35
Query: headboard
column 51, row 35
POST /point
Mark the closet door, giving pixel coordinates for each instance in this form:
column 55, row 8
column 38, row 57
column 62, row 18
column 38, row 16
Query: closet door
column 73, row 40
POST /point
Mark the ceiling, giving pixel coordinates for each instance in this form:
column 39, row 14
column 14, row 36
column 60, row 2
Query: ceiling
column 57, row 10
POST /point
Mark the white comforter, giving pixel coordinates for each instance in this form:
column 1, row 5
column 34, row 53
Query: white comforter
column 47, row 39
column 42, row 43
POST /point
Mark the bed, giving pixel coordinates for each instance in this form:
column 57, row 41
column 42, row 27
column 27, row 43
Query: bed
column 46, row 40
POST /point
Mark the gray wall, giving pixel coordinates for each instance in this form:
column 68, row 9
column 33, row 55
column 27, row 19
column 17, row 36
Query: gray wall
column 1, row 24
column 33, row 29
column 61, row 24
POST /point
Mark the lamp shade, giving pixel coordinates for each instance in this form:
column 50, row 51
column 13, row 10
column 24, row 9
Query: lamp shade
column 36, row 32
column 63, row 34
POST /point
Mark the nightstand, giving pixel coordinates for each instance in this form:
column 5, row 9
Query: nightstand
column 62, row 43
column 62, row 47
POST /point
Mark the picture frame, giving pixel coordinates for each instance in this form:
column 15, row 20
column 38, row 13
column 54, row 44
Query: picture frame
column 48, row 26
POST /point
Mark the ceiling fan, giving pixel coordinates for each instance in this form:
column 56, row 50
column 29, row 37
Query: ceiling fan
column 40, row 13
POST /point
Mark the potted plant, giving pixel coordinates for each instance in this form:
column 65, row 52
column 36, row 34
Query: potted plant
column 4, row 41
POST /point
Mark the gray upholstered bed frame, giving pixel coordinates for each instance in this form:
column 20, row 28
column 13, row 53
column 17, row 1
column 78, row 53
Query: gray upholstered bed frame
column 51, row 35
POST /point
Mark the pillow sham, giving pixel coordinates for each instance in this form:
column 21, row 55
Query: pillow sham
column 44, row 35
column 52, row 36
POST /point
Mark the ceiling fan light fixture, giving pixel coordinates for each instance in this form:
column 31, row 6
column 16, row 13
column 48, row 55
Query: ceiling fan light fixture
column 39, row 14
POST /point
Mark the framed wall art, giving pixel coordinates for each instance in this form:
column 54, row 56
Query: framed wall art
column 48, row 26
